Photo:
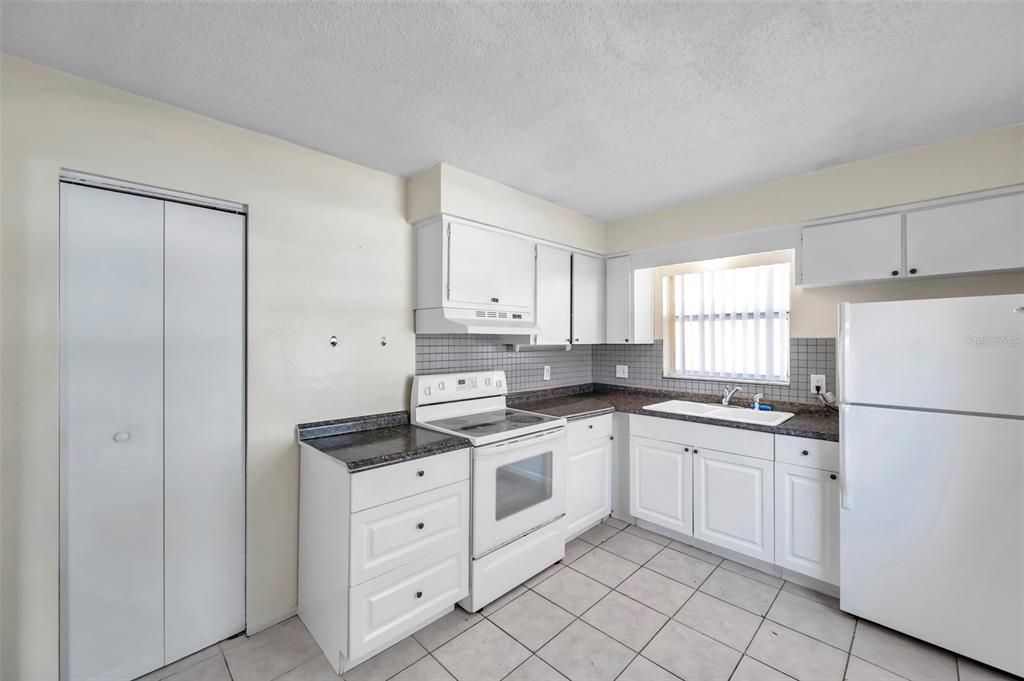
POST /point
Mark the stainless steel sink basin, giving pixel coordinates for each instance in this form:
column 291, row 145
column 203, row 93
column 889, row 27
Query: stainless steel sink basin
column 717, row 411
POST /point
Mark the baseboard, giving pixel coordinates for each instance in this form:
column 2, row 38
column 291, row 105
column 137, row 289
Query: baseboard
column 253, row 628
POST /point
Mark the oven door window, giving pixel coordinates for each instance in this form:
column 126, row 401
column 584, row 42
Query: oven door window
column 522, row 484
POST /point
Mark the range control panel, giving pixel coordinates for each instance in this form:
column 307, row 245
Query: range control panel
column 450, row 387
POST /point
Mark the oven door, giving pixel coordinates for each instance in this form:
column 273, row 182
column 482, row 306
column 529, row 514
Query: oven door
column 518, row 485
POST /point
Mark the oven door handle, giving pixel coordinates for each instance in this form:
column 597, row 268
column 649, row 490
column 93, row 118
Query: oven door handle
column 535, row 438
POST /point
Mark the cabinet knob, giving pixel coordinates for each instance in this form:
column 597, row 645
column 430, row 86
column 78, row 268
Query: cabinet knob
column 591, row 426
column 833, row 476
column 577, row 340
column 913, row 270
column 627, row 340
column 419, row 526
column 494, row 300
column 568, row 340
column 419, row 594
column 611, row 437
column 420, row 473
column 895, row 273
column 804, row 453
column 686, row 449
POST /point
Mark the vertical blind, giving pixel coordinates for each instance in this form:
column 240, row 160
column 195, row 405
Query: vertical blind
column 728, row 324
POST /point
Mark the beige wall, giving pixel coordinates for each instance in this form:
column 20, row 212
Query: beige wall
column 984, row 161
column 447, row 189
column 814, row 311
column 329, row 253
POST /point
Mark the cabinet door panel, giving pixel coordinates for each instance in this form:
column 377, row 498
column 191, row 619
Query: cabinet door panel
column 589, row 491
column 661, row 484
column 112, row 588
column 732, row 500
column 587, row 299
column 554, row 295
column 967, row 237
column 807, row 521
column 618, row 299
column 489, row 269
column 854, row 250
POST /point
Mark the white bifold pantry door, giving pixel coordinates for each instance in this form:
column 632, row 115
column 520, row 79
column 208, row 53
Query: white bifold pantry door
column 152, row 451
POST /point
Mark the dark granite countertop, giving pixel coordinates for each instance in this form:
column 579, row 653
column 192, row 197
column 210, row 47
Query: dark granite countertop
column 366, row 442
column 808, row 422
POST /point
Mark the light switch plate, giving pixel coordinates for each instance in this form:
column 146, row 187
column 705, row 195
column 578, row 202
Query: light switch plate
column 547, row 373
column 621, row 371
column 816, row 381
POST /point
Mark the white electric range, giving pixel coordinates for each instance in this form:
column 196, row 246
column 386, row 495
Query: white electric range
column 518, row 477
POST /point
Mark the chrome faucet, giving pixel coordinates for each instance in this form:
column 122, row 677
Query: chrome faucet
column 756, row 406
column 728, row 392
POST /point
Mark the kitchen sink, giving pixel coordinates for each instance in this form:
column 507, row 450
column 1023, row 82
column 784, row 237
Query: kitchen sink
column 717, row 411
column 684, row 407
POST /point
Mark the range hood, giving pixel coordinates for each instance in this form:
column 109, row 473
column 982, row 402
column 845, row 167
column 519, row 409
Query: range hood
column 517, row 328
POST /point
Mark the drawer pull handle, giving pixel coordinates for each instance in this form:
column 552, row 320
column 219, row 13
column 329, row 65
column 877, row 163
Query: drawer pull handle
column 419, row 594
column 833, row 476
column 419, row 526
column 420, row 473
column 804, row 453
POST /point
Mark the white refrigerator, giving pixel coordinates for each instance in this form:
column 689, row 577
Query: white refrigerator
column 932, row 471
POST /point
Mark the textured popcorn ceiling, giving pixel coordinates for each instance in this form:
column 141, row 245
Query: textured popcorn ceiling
column 610, row 108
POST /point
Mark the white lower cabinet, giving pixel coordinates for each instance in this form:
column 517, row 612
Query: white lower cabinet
column 732, row 502
column 807, row 521
column 764, row 498
column 588, row 482
column 382, row 552
column 661, row 483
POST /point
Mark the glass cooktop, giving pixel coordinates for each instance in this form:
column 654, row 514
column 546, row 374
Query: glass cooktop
column 491, row 422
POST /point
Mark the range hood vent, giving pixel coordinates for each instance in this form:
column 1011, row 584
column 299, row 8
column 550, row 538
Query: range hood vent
column 518, row 328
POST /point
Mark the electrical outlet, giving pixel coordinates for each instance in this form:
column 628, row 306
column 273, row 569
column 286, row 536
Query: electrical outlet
column 818, row 383
column 621, row 371
column 547, row 373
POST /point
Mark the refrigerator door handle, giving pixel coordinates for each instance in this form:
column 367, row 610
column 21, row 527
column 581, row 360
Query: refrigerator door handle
column 845, row 499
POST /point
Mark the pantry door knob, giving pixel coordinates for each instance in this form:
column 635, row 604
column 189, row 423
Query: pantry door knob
column 122, row 436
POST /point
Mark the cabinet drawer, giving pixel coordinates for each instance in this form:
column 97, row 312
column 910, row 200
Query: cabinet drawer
column 589, row 429
column 383, row 610
column 388, row 536
column 802, row 451
column 397, row 481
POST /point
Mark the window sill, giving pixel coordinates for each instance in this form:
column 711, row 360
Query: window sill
column 718, row 379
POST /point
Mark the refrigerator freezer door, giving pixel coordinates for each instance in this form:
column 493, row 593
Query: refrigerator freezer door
column 932, row 530
column 953, row 354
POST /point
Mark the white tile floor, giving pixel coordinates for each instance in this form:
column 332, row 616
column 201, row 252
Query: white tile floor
column 624, row 604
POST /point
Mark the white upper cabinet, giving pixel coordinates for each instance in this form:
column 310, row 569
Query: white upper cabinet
column 977, row 236
column 853, row 250
column 554, row 295
column 628, row 302
column 980, row 235
column 618, row 299
column 489, row 269
column 588, row 324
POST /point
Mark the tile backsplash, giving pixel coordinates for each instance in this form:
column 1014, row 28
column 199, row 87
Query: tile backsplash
column 806, row 356
column 446, row 353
